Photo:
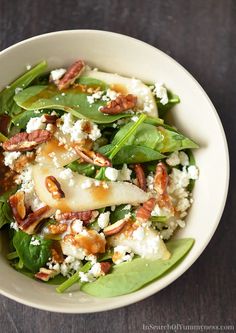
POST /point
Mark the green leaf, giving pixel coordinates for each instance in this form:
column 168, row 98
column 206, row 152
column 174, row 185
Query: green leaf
column 131, row 276
column 133, row 154
column 32, row 256
column 57, row 280
column 7, row 103
column 72, row 100
column 159, row 138
column 119, row 213
column 82, row 168
column 3, row 138
column 172, row 101
column 5, row 210
column 91, row 82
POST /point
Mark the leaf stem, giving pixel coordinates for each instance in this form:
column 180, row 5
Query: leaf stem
column 12, row 255
column 122, row 141
column 159, row 219
column 73, row 279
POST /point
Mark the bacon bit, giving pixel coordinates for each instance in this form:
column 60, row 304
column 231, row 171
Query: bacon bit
column 45, row 274
column 72, row 73
column 26, row 141
column 57, row 255
column 144, row 212
column 93, row 157
column 161, row 178
column 84, row 216
column 105, row 266
column 49, row 119
column 142, row 183
column 17, row 203
column 54, row 187
column 120, row 104
column 57, row 229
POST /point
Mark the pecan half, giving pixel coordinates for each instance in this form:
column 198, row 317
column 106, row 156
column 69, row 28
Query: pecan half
column 49, row 119
column 45, row 274
column 144, row 212
column 93, row 157
column 54, row 187
column 161, row 178
column 26, row 141
column 30, row 223
column 84, row 216
column 142, row 183
column 120, row 104
column 17, row 203
column 105, row 267
column 72, row 73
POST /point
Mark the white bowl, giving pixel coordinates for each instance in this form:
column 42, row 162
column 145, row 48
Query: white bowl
column 195, row 116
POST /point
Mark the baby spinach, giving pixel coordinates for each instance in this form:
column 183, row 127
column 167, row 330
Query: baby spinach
column 119, row 213
column 7, row 103
column 91, row 82
column 72, row 100
column 150, row 139
column 5, row 210
column 133, row 154
column 82, row 168
column 33, row 256
column 172, row 101
column 131, row 276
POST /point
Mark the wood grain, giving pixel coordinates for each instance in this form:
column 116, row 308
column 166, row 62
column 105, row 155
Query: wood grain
column 201, row 35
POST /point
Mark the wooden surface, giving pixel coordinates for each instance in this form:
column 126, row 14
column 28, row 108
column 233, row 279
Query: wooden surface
column 201, row 35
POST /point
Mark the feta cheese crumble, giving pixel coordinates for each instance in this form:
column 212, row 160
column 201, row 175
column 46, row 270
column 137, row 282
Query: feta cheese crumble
column 111, row 173
column 161, row 92
column 103, row 220
column 35, row 124
column 11, row 157
column 56, row 74
column 35, row 241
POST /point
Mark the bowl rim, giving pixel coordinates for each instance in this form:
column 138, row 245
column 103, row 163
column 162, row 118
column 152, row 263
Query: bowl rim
column 133, row 297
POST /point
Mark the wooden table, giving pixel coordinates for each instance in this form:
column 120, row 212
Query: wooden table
column 201, row 35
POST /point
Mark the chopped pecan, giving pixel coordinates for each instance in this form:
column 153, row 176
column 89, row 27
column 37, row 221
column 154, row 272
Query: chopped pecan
column 115, row 228
column 54, row 187
column 120, row 104
column 142, row 183
column 17, row 203
column 72, row 73
column 105, row 267
column 84, row 216
column 49, row 119
column 30, row 223
column 26, row 141
column 22, row 161
column 161, row 178
column 45, row 274
column 93, row 157
column 57, row 255
column 57, row 229
column 144, row 212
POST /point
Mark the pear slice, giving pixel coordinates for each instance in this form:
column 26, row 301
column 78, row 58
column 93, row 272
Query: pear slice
column 84, row 193
column 126, row 85
column 54, row 154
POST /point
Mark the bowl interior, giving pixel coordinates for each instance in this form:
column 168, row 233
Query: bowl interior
column 195, row 116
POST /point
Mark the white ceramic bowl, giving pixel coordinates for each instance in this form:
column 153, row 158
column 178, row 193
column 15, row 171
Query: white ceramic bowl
column 195, row 116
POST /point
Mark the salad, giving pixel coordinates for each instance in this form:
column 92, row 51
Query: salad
column 94, row 180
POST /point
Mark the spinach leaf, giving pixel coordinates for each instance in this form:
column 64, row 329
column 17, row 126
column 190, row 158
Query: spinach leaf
column 133, row 154
column 57, row 280
column 91, row 82
column 32, row 256
column 83, row 168
column 5, row 210
column 119, row 213
column 172, row 101
column 7, row 103
column 131, row 276
column 72, row 100
column 160, row 139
